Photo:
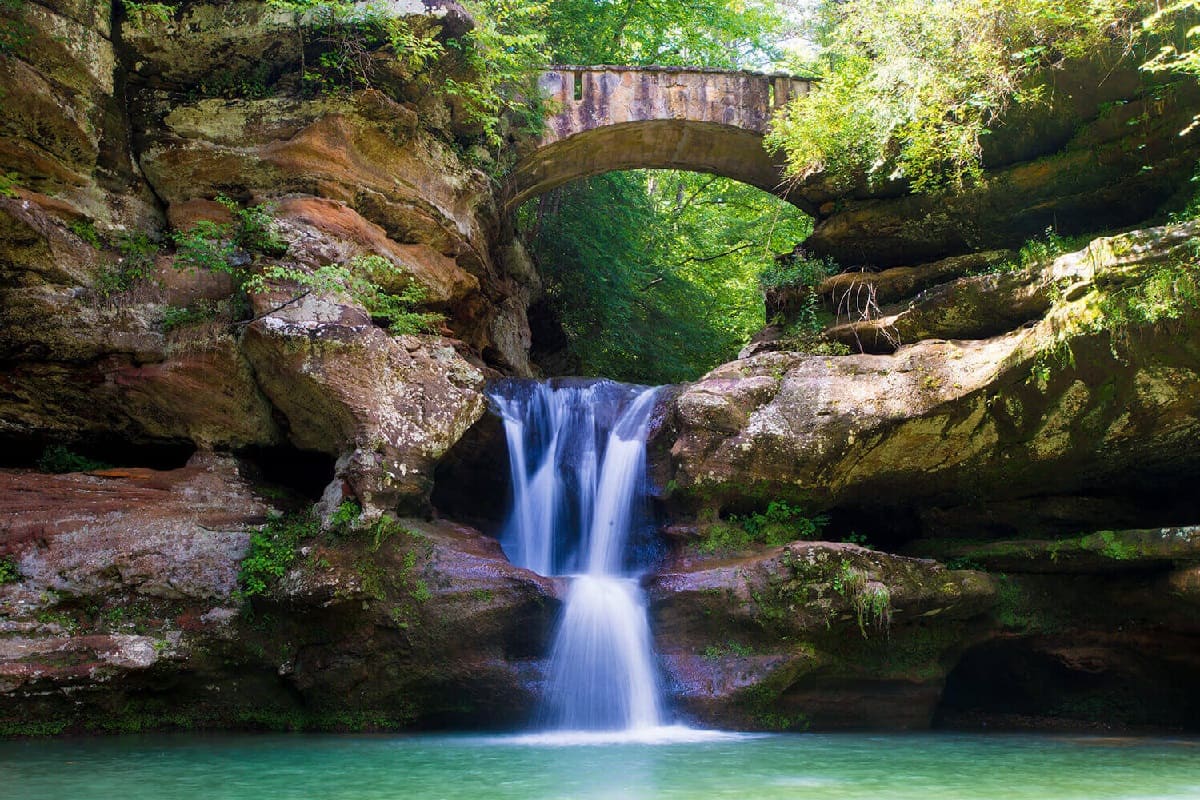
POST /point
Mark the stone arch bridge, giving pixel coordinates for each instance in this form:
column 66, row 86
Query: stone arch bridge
column 615, row 118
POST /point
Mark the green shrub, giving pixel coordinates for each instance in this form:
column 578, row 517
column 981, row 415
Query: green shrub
column 273, row 550
column 86, row 230
column 254, row 229
column 136, row 264
column 716, row 652
column 779, row 524
column 1191, row 210
column 58, row 459
column 1041, row 251
column 345, row 517
column 14, row 31
column 138, row 13
column 910, row 87
column 801, row 269
column 8, row 571
column 8, row 184
column 233, row 249
column 175, row 317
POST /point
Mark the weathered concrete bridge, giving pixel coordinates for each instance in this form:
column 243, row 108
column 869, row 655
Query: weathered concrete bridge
column 614, row 118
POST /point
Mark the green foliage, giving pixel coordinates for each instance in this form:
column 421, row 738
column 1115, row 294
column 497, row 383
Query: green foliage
column 1050, row 247
column 175, row 317
column 15, row 32
column 237, row 248
column 345, row 517
column 8, row 571
column 58, row 459
column 798, row 270
column 710, row 33
column 1165, row 294
column 799, row 274
column 1040, row 252
column 848, row 580
column 135, row 264
column 273, row 550
column 8, row 184
column 86, row 230
column 779, row 524
column 396, row 312
column 1191, row 209
column 350, row 38
column 1013, row 607
column 717, row 652
column 503, row 54
column 909, row 87
column 873, row 607
column 254, row 229
column 1114, row 548
column 207, row 246
column 654, row 275
column 1180, row 50
column 140, row 12
column 230, row 247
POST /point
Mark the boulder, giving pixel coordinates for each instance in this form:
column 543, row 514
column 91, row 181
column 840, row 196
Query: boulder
column 386, row 407
column 1085, row 397
column 814, row 634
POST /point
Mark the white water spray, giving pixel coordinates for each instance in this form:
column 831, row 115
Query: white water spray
column 577, row 454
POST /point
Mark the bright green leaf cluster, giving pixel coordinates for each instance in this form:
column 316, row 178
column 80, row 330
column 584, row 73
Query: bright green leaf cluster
column 653, row 275
column 909, row 87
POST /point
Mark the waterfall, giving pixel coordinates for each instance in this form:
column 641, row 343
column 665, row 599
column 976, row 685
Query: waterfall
column 577, row 453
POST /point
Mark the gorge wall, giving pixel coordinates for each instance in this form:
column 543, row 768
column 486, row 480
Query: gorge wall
column 1018, row 446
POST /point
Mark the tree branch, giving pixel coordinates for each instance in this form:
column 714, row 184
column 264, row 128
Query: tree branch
column 279, row 307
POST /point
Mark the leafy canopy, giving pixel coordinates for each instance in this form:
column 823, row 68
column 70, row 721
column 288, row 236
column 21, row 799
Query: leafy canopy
column 654, row 275
column 713, row 33
column 909, row 87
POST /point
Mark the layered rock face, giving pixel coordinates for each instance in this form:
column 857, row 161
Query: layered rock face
column 127, row 615
column 121, row 606
column 120, row 135
column 1011, row 425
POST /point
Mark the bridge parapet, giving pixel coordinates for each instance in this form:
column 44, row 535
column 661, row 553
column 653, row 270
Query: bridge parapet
column 587, row 97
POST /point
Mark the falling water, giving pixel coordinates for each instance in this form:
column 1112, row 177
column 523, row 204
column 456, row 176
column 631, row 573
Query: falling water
column 577, row 453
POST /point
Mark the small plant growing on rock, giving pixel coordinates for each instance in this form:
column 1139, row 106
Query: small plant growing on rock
column 8, row 184
column 58, row 459
column 175, row 317
column 87, row 231
column 873, row 606
column 782, row 523
column 272, row 551
column 8, row 571
column 234, row 248
column 778, row 524
column 136, row 264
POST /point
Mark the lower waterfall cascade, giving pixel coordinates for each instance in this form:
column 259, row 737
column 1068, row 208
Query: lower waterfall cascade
column 577, row 456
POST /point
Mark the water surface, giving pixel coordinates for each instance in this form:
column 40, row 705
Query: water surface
column 829, row 767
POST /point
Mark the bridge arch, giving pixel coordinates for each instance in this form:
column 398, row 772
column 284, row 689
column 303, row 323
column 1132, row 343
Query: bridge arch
column 611, row 118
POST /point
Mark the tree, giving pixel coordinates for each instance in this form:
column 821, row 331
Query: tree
column 654, row 275
column 910, row 86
